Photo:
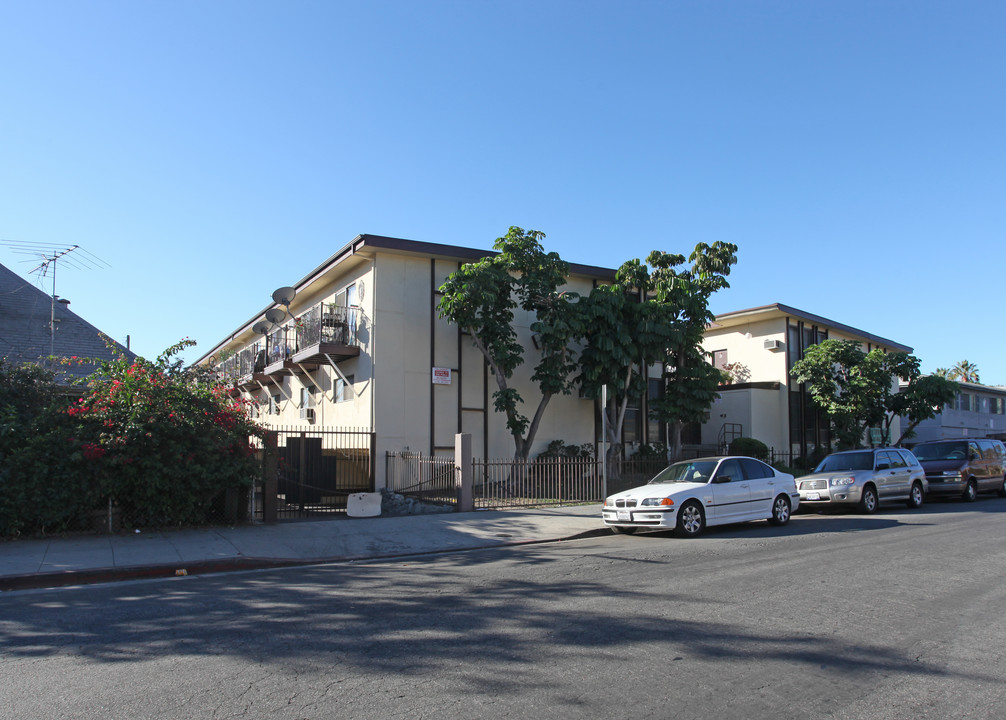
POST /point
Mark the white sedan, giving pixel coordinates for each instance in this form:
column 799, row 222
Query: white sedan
column 689, row 495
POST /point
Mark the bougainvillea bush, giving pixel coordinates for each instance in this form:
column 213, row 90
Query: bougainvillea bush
column 160, row 442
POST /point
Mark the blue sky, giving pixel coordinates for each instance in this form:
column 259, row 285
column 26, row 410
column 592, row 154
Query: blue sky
column 210, row 152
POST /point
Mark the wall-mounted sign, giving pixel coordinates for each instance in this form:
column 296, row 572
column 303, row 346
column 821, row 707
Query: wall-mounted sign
column 441, row 376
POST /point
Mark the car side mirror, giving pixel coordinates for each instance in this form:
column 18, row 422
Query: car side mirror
column 722, row 479
column 883, row 466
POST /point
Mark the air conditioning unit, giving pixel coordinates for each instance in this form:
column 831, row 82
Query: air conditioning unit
column 774, row 345
column 307, row 414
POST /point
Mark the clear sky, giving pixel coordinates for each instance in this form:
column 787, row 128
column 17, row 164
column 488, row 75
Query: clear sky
column 210, row 152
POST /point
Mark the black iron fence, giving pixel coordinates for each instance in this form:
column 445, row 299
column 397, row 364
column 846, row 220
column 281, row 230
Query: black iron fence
column 317, row 470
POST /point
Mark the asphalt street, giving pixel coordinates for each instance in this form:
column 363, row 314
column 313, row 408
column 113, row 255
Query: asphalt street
column 896, row 615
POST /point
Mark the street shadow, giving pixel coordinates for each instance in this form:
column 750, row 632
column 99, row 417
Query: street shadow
column 409, row 618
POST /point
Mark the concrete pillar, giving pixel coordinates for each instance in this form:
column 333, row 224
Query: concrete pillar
column 463, row 470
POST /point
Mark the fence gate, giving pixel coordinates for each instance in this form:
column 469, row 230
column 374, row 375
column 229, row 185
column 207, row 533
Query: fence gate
column 317, row 470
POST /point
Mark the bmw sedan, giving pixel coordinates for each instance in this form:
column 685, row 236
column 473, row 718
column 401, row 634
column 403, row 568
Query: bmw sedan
column 865, row 478
column 689, row 495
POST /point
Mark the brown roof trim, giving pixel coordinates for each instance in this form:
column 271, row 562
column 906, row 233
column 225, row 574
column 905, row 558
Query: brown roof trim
column 382, row 242
column 455, row 252
column 817, row 320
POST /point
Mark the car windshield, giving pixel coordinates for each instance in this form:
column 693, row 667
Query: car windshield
column 685, row 472
column 847, row 461
column 941, row 451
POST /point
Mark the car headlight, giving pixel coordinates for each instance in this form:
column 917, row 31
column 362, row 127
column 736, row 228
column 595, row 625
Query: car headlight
column 609, row 502
column 656, row 502
column 842, row 481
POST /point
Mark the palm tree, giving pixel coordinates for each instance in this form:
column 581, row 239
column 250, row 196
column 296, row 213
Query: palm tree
column 942, row 372
column 965, row 371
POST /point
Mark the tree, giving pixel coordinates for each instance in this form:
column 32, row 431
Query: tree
column 654, row 314
column 481, row 297
column 856, row 388
column 689, row 379
column 965, row 371
column 922, row 399
column 623, row 332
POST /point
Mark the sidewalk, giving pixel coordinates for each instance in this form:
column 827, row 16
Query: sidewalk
column 86, row 559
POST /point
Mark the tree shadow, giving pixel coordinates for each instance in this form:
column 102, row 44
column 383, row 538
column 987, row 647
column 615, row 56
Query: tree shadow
column 405, row 618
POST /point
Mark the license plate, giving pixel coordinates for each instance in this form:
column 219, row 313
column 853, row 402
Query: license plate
column 813, row 496
column 623, row 516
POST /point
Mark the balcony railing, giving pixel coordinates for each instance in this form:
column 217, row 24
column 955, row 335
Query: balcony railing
column 326, row 330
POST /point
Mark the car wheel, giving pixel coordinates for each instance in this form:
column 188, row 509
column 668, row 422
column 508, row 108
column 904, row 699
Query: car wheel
column 780, row 511
column 620, row 530
column 1001, row 492
column 917, row 497
column 691, row 520
column 868, row 502
column 970, row 492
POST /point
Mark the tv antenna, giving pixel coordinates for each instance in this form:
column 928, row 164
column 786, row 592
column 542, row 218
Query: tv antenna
column 49, row 257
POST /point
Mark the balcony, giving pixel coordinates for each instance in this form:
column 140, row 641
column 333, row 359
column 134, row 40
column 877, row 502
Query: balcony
column 326, row 332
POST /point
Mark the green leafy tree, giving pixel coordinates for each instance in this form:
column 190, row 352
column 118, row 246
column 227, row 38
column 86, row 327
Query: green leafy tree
column 654, row 314
column 622, row 335
column 482, row 298
column 689, row 380
column 856, row 388
column 849, row 384
column 923, row 398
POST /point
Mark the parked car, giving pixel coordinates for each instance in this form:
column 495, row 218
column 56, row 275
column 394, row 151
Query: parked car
column 865, row 478
column 963, row 467
column 690, row 495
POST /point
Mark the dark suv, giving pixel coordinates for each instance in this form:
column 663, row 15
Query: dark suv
column 963, row 467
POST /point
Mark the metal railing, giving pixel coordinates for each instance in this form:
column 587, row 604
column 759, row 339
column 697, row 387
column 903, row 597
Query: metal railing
column 327, row 323
column 426, row 477
column 545, row 481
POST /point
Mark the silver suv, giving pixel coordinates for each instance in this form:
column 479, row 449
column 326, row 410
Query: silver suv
column 865, row 478
column 964, row 467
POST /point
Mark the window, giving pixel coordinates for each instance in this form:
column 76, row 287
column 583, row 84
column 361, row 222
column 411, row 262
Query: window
column 996, row 406
column 754, row 469
column 730, row 469
column 719, row 359
column 344, row 388
column 307, row 397
column 964, row 401
column 274, row 402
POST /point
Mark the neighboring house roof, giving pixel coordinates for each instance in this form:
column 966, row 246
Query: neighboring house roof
column 778, row 309
column 25, row 313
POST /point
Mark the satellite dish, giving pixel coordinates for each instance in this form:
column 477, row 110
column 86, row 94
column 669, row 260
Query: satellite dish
column 261, row 327
column 275, row 315
column 284, row 296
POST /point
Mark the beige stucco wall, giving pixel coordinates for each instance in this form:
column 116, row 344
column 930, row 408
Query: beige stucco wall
column 761, row 412
column 404, row 390
column 745, row 344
